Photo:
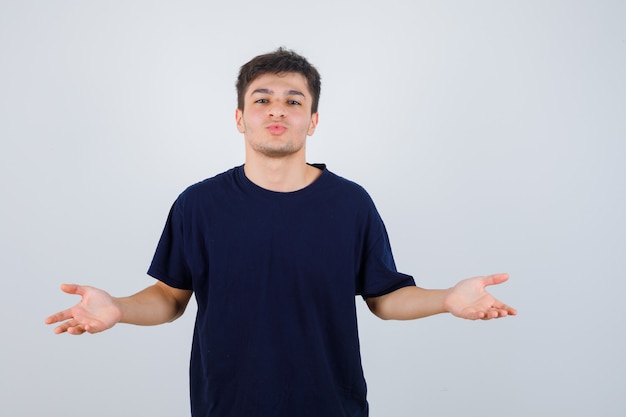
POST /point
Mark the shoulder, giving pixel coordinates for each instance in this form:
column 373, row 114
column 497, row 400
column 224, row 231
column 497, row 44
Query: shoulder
column 340, row 192
column 346, row 187
column 209, row 188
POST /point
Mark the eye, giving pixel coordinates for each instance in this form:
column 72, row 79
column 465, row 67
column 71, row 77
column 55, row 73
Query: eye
column 262, row 101
column 293, row 102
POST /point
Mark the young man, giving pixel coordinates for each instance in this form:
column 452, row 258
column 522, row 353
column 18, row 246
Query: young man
column 275, row 251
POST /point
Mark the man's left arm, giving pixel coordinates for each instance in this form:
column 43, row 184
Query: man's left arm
column 468, row 299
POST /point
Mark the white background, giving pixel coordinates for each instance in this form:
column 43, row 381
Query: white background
column 491, row 134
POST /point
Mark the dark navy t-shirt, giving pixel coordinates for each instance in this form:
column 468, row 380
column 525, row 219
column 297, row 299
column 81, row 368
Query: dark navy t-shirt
column 275, row 277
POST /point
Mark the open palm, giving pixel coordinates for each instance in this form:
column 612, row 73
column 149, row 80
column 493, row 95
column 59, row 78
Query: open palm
column 97, row 311
column 468, row 299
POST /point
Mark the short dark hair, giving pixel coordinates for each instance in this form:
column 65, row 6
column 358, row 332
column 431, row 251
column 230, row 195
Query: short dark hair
column 280, row 61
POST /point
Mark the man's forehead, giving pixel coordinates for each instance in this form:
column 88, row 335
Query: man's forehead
column 291, row 83
column 271, row 92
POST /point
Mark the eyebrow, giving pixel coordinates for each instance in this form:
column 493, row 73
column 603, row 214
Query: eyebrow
column 271, row 92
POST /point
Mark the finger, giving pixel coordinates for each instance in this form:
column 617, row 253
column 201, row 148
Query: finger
column 487, row 314
column 493, row 314
column 500, row 312
column 76, row 330
column 72, row 289
column 60, row 316
column 503, row 307
column 72, row 327
column 496, row 279
column 508, row 309
column 60, row 329
column 490, row 314
column 92, row 329
column 63, row 327
column 473, row 314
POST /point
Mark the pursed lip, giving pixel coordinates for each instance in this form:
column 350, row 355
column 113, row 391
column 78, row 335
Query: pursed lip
column 276, row 128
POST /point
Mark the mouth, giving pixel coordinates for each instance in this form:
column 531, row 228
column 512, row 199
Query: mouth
column 276, row 128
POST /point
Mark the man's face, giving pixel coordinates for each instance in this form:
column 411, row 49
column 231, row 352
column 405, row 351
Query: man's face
column 277, row 118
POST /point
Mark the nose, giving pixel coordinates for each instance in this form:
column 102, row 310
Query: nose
column 277, row 110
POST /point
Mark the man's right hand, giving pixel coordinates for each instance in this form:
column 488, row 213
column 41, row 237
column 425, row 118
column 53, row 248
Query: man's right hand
column 97, row 311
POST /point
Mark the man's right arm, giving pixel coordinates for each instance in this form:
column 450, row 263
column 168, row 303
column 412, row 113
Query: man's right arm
column 98, row 311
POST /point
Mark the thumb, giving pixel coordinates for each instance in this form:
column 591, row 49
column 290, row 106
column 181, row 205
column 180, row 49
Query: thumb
column 72, row 289
column 495, row 279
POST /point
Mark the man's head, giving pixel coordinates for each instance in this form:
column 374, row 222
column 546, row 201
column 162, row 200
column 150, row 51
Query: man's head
column 280, row 61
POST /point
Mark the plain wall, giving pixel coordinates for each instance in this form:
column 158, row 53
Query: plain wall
column 491, row 135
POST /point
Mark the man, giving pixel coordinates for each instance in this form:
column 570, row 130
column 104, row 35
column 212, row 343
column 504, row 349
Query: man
column 275, row 252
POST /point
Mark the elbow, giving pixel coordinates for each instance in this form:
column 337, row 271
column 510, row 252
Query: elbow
column 378, row 309
column 179, row 311
column 174, row 301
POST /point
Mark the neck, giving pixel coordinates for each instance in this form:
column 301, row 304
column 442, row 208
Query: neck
column 283, row 174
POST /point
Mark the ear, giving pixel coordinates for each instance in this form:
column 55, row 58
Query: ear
column 239, row 120
column 313, row 124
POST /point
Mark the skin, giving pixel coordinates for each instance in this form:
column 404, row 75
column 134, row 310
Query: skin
column 275, row 122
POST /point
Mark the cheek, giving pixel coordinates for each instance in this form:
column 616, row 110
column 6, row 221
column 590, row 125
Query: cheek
column 301, row 119
column 255, row 116
column 247, row 123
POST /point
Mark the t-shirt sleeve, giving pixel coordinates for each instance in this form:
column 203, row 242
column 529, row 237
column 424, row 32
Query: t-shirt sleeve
column 378, row 274
column 169, row 264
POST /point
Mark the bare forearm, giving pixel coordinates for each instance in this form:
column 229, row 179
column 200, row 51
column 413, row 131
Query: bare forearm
column 408, row 303
column 151, row 306
column 468, row 299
